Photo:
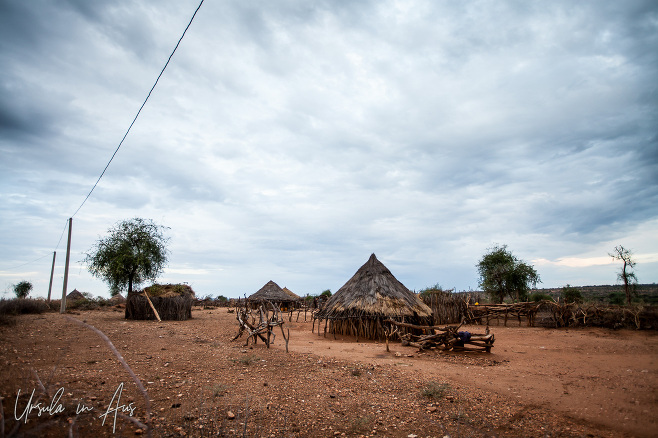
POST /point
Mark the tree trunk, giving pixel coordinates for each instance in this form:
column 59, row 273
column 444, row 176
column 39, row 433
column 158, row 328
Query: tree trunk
column 626, row 288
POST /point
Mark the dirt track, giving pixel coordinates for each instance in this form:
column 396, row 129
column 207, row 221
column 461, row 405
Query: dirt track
column 537, row 382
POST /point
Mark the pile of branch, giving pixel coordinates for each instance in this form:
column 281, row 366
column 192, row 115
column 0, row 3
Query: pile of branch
column 479, row 314
column 599, row 315
column 444, row 338
column 262, row 328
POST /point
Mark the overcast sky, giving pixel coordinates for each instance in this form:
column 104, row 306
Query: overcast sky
column 289, row 140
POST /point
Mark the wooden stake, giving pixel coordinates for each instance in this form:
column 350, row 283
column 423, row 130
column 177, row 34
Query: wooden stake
column 152, row 306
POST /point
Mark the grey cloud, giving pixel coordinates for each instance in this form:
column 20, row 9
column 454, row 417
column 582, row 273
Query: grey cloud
column 294, row 139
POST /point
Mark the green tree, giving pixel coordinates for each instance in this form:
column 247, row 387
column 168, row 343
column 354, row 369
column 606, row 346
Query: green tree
column 571, row 294
column 134, row 251
column 23, row 289
column 326, row 293
column 626, row 275
column 502, row 275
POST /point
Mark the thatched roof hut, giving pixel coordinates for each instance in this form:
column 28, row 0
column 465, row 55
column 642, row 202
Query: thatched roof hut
column 371, row 296
column 273, row 293
column 117, row 299
column 291, row 294
column 75, row 295
column 172, row 301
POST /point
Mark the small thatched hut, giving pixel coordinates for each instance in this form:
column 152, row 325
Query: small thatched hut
column 172, row 301
column 371, row 296
column 117, row 299
column 273, row 293
column 75, row 295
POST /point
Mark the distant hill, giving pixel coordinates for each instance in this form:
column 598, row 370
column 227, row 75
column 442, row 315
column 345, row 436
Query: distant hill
column 603, row 291
column 647, row 292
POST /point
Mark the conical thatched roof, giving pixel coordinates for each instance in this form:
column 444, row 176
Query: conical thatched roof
column 374, row 292
column 75, row 295
column 270, row 292
column 291, row 294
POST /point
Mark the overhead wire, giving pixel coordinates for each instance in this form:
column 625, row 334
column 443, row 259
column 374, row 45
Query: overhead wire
column 139, row 111
column 124, row 136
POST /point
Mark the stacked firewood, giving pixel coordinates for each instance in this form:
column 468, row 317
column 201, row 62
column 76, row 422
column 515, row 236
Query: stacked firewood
column 444, row 338
column 260, row 323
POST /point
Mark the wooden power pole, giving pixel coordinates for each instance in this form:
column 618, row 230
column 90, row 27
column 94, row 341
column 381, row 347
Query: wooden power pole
column 52, row 271
column 62, row 308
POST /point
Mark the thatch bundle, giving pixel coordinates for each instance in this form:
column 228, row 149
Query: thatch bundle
column 172, row 301
column 274, row 294
column 370, row 297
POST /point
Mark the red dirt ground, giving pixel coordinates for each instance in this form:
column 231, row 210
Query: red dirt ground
column 536, row 382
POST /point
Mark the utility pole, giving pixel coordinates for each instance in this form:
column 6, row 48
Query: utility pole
column 52, row 271
column 62, row 308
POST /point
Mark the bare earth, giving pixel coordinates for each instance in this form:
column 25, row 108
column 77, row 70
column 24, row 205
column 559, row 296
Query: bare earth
column 536, row 382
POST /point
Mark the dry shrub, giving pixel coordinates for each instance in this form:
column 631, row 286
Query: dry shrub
column 22, row 306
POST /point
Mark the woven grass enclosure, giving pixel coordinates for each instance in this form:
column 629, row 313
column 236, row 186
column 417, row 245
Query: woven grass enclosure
column 172, row 301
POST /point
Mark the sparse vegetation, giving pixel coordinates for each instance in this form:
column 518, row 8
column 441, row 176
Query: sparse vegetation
column 219, row 389
column 434, row 390
column 22, row 306
column 361, row 424
column 246, row 360
column 539, row 296
column 87, row 303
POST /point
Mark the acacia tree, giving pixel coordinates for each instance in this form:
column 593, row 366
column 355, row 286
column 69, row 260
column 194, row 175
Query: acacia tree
column 22, row 289
column 502, row 275
column 626, row 274
column 134, row 251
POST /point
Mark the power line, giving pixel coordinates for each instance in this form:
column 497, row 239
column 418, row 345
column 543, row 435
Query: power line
column 25, row 264
column 124, row 136
column 44, row 256
column 140, row 109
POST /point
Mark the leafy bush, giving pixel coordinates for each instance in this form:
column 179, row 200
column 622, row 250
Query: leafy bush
column 428, row 291
column 23, row 289
column 617, row 298
column 571, row 294
column 538, row 296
